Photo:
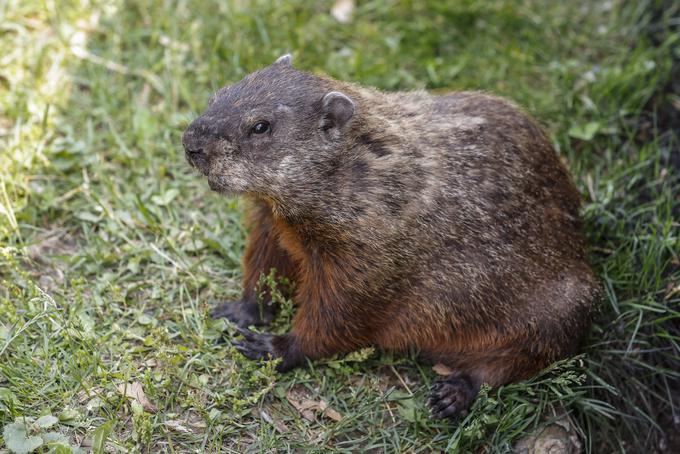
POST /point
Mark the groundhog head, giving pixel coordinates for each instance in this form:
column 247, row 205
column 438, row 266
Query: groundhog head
column 277, row 133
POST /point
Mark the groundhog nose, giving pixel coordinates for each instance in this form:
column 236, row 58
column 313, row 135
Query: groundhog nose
column 193, row 152
column 191, row 141
column 194, row 146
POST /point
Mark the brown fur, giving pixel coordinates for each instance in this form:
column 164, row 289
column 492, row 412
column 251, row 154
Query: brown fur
column 442, row 224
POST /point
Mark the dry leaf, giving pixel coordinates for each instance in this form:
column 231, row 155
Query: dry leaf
column 329, row 412
column 134, row 391
column 671, row 290
column 442, row 369
column 307, row 407
column 177, row 425
column 87, row 394
column 342, row 10
column 303, row 406
column 278, row 425
column 198, row 424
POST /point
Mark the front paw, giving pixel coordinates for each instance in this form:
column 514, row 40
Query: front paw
column 240, row 313
column 262, row 346
column 254, row 345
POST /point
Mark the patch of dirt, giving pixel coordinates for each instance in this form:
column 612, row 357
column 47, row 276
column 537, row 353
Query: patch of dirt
column 41, row 257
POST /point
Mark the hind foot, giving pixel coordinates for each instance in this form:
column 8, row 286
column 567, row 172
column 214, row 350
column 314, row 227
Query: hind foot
column 451, row 397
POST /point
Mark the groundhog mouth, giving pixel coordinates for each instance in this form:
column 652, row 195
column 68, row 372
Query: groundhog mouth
column 217, row 186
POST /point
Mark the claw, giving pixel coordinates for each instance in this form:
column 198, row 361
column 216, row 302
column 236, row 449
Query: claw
column 254, row 345
column 442, row 404
column 239, row 345
column 240, row 313
column 448, row 412
column 244, row 332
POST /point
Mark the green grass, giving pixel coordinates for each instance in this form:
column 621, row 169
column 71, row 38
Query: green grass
column 112, row 250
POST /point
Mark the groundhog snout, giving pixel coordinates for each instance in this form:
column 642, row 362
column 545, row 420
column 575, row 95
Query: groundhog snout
column 196, row 140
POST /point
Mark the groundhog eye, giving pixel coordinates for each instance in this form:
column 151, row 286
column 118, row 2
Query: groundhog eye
column 260, row 127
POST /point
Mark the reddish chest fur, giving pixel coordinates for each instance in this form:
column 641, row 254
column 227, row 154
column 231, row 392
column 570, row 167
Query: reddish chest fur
column 329, row 320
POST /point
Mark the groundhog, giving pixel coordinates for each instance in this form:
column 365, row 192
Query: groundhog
column 445, row 225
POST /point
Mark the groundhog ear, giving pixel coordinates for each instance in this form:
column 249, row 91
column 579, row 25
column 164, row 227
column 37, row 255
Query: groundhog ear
column 286, row 60
column 338, row 108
